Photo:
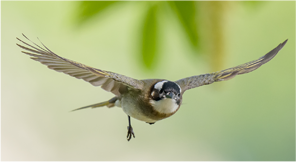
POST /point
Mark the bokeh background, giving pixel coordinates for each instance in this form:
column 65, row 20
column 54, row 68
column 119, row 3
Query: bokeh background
column 251, row 117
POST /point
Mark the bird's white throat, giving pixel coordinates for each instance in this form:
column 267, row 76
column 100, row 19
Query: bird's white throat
column 165, row 105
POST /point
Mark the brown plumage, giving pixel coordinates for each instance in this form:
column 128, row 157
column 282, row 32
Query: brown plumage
column 147, row 100
column 109, row 81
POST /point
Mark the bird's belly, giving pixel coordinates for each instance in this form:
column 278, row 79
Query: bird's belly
column 131, row 109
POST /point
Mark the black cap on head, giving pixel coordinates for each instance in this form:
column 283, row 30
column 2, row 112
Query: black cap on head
column 170, row 86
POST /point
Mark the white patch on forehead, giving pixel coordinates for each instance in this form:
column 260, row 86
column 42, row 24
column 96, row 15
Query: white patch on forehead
column 159, row 85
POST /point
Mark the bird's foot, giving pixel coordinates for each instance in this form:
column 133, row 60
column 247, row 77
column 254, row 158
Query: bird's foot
column 130, row 133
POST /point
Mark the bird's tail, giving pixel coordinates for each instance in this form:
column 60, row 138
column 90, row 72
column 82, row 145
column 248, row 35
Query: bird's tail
column 110, row 103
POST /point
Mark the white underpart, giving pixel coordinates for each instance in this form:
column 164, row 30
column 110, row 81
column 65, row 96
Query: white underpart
column 159, row 85
column 132, row 109
column 118, row 103
column 165, row 105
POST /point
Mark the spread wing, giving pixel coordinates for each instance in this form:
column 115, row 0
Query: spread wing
column 204, row 79
column 109, row 81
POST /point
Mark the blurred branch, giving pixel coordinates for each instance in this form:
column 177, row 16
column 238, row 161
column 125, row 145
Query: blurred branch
column 211, row 22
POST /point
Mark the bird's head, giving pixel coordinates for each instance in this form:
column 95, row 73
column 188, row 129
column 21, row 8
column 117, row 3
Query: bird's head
column 165, row 96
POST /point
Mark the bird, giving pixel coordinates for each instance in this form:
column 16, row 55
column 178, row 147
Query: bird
column 148, row 100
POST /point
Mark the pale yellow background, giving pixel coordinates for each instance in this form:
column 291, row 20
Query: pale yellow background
column 251, row 117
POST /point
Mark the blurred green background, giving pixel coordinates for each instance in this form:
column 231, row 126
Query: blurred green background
column 251, row 117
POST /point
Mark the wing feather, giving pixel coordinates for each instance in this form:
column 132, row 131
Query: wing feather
column 204, row 79
column 109, row 81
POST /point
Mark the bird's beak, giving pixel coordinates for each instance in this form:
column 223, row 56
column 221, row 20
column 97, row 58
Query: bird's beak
column 170, row 95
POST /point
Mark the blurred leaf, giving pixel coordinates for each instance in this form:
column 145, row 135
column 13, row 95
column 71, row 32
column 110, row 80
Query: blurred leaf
column 253, row 2
column 186, row 12
column 88, row 9
column 149, row 37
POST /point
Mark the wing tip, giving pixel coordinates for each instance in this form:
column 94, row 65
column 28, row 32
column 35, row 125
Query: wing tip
column 284, row 43
column 280, row 46
column 275, row 51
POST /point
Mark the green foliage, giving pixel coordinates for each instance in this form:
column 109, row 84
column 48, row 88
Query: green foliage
column 149, row 36
column 253, row 2
column 90, row 8
column 201, row 22
column 186, row 13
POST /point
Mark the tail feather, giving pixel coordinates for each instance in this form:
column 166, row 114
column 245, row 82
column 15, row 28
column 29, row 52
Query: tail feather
column 109, row 104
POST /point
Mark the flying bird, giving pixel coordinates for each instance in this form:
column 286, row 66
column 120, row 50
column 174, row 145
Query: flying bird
column 148, row 100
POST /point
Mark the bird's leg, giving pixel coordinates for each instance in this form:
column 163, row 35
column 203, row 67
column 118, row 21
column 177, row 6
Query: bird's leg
column 130, row 131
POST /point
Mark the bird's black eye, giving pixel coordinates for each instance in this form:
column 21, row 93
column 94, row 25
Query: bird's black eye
column 178, row 94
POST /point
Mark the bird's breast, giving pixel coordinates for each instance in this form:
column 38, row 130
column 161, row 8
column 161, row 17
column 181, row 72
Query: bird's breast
column 147, row 110
column 165, row 106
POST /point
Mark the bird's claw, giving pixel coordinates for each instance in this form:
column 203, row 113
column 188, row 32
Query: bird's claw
column 130, row 133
